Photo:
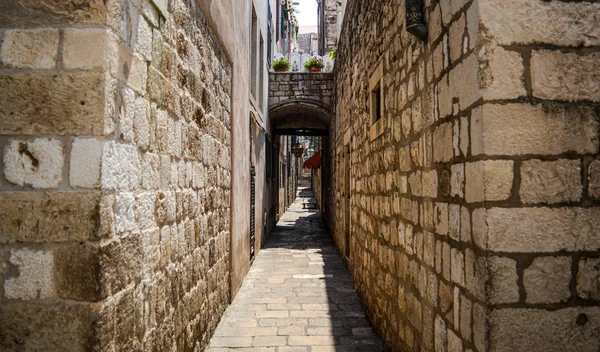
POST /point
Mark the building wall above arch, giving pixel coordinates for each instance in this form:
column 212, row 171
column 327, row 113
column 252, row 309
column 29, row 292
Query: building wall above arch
column 300, row 100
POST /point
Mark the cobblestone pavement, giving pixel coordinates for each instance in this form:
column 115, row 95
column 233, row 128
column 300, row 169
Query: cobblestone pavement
column 298, row 296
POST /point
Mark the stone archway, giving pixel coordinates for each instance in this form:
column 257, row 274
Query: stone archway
column 300, row 117
column 306, row 117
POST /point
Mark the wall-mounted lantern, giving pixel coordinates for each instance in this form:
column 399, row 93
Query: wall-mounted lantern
column 298, row 150
column 415, row 19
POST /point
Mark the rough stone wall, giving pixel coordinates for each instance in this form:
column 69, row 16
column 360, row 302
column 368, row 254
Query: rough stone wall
column 535, row 138
column 474, row 215
column 115, row 183
column 332, row 23
column 306, row 85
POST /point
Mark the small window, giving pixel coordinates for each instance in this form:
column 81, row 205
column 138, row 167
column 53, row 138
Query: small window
column 376, row 89
column 376, row 102
column 376, row 99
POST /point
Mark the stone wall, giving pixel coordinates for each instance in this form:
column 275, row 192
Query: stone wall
column 307, row 86
column 333, row 22
column 115, row 184
column 535, row 139
column 475, row 205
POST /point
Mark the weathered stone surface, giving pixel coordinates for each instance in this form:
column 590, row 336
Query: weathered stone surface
column 594, row 179
column 504, row 75
column 48, row 217
column 454, row 221
column 44, row 326
column 450, row 8
column 465, row 74
column 22, row 13
column 465, row 225
column 544, row 330
column 547, row 279
column 34, row 278
column 488, row 180
column 557, row 23
column 36, row 163
column 434, row 23
column 441, row 218
column 480, row 327
column 503, row 278
column 143, row 43
column 442, row 143
column 120, row 263
column 588, row 278
column 466, row 306
column 454, row 342
column 550, row 181
column 480, row 227
column 440, row 335
column 84, row 48
column 86, row 156
column 154, row 288
column 34, row 48
column 65, row 104
column 565, row 76
column 77, row 272
column 138, row 74
column 430, row 184
column 457, row 180
column 473, row 24
column 120, row 166
column 517, row 129
column 458, row 267
column 474, row 83
column 457, row 31
column 547, row 229
column 124, row 212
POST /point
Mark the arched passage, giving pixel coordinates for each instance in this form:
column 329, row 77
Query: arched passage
column 300, row 117
column 305, row 116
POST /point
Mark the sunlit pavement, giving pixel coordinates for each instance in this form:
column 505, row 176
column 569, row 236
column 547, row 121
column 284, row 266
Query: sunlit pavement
column 297, row 296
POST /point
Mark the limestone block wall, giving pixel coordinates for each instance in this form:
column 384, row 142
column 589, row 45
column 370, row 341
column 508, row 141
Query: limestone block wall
column 309, row 86
column 474, row 214
column 115, row 183
column 536, row 138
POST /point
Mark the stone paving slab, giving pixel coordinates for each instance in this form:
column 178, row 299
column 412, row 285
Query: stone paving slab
column 298, row 296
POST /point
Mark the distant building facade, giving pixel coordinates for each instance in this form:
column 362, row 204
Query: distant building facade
column 331, row 16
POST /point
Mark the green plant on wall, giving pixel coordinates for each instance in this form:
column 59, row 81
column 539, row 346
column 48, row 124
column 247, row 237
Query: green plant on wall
column 414, row 15
column 332, row 53
column 281, row 64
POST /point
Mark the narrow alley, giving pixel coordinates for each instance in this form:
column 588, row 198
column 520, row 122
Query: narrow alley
column 298, row 295
column 155, row 158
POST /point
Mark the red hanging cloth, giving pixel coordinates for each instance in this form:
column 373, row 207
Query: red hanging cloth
column 314, row 162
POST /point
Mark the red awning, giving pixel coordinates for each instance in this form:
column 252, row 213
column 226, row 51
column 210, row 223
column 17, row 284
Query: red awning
column 314, row 162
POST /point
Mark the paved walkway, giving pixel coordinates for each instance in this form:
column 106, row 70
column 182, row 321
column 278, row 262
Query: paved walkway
column 298, row 296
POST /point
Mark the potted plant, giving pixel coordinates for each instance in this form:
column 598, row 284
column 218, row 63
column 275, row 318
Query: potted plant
column 315, row 64
column 281, row 65
column 415, row 23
